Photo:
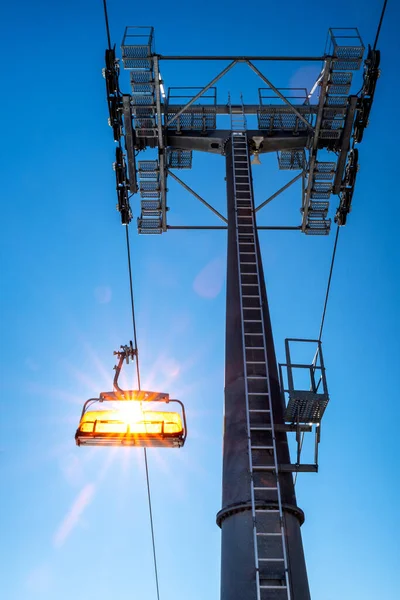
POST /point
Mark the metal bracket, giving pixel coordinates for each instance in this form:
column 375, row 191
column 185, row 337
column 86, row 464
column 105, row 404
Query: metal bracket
column 189, row 189
column 126, row 353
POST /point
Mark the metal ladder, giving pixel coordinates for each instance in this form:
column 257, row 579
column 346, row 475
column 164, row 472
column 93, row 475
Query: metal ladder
column 238, row 118
column 271, row 567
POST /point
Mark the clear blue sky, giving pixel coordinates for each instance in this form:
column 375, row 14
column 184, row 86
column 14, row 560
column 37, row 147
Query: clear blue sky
column 74, row 521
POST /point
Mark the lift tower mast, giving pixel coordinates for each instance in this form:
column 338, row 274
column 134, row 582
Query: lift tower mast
column 262, row 554
column 260, row 520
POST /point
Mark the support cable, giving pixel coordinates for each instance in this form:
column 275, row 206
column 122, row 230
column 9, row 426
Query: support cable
column 337, row 235
column 328, row 287
column 128, row 250
column 137, row 354
column 380, row 24
column 138, row 380
column 107, row 25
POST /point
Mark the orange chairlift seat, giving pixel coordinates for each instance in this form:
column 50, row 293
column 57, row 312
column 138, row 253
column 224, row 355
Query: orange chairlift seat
column 127, row 423
column 130, row 424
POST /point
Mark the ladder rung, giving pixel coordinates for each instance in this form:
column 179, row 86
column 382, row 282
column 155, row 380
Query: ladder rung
column 273, row 587
column 259, row 532
column 272, row 559
column 254, row 348
column 257, row 393
column 266, row 510
column 264, row 468
column 259, row 410
column 254, row 428
column 252, row 321
column 257, row 377
column 262, row 447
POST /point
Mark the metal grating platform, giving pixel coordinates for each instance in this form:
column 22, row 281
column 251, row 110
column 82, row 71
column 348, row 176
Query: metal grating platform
column 330, row 134
column 179, row 159
column 321, row 190
column 149, row 226
column 141, row 77
column 339, row 78
column 324, row 170
column 333, row 124
column 306, row 407
column 319, row 208
column 203, row 120
column 347, row 48
column 137, row 46
column 336, row 101
column 333, row 88
column 274, row 114
column 318, row 226
column 200, row 116
column 276, row 119
column 291, row 159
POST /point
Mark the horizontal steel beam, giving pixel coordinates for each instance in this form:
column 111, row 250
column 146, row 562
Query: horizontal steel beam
column 279, row 227
column 270, row 227
column 197, row 227
column 248, row 109
column 301, row 468
column 214, row 141
column 286, row 427
column 244, row 58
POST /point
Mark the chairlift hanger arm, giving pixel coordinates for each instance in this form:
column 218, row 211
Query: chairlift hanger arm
column 126, row 353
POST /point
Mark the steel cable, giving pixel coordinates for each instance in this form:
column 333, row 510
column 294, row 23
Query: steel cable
column 132, row 302
column 138, row 380
column 328, row 287
column 380, row 24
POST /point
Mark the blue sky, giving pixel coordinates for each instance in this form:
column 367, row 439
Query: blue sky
column 74, row 520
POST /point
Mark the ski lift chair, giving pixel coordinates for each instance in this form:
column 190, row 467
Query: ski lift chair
column 121, row 418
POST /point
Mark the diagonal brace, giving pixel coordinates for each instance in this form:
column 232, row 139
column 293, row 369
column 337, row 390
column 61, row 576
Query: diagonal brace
column 189, row 189
column 278, row 93
column 282, row 189
column 197, row 96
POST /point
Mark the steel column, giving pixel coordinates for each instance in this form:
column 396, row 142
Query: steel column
column 238, row 574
